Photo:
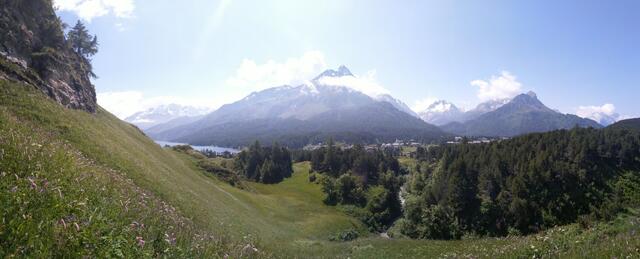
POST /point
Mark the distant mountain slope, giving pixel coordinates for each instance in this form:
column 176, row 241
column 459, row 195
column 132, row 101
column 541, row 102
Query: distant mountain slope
column 483, row 108
column 172, row 124
column 309, row 112
column 523, row 114
column 397, row 103
column 377, row 122
column 165, row 113
column 629, row 124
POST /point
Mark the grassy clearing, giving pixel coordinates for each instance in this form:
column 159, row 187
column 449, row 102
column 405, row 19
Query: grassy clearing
column 111, row 176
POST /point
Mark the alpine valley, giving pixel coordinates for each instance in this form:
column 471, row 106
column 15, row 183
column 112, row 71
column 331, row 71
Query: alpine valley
column 320, row 169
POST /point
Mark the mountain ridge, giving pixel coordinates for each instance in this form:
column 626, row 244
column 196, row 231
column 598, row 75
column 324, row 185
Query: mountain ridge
column 627, row 124
column 525, row 113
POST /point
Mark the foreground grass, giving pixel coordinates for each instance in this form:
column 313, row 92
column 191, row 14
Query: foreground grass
column 106, row 177
column 56, row 202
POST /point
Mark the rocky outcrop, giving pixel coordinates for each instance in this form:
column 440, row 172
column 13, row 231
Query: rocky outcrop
column 33, row 50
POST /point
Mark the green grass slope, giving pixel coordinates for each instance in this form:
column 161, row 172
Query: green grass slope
column 57, row 202
column 74, row 184
column 266, row 215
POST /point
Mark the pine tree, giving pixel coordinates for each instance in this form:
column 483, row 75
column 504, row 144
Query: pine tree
column 270, row 172
column 331, row 162
column 81, row 41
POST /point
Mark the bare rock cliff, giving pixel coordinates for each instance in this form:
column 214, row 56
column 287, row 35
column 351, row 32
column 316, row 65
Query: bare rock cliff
column 33, row 50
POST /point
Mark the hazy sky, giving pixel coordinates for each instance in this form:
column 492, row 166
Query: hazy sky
column 578, row 56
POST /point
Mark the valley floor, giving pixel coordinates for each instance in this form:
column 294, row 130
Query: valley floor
column 288, row 219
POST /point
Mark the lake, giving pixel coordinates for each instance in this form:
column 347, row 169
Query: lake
column 199, row 148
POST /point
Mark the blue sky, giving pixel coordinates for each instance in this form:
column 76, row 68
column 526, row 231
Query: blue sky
column 578, row 56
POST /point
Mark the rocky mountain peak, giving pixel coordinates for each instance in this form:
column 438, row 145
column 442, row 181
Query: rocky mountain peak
column 528, row 100
column 342, row 71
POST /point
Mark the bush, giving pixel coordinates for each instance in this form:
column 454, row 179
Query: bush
column 436, row 222
column 222, row 173
column 382, row 208
column 349, row 190
column 344, row 236
column 329, row 189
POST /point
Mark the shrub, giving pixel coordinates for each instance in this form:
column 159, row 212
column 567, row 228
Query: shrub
column 344, row 236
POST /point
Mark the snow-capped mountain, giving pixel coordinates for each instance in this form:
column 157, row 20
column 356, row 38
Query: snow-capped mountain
column 306, row 111
column 164, row 113
column 343, row 71
column 441, row 112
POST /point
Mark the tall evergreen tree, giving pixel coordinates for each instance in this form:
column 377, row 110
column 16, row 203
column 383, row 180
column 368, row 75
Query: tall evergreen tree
column 81, row 41
column 331, row 163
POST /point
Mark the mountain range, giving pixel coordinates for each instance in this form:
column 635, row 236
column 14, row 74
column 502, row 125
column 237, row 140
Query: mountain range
column 303, row 114
column 166, row 113
column 442, row 112
column 522, row 114
column 314, row 111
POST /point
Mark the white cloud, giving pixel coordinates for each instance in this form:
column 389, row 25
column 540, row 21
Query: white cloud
column 498, row 87
column 89, row 9
column 294, row 71
column 125, row 103
column 604, row 114
column 423, row 104
column 366, row 84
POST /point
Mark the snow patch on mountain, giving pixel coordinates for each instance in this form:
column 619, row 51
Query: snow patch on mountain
column 441, row 112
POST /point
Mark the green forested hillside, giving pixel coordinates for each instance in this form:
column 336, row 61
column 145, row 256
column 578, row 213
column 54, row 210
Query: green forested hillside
column 629, row 124
column 524, row 185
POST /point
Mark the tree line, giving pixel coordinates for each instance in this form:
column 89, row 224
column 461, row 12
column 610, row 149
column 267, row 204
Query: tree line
column 365, row 183
column 522, row 185
column 264, row 164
